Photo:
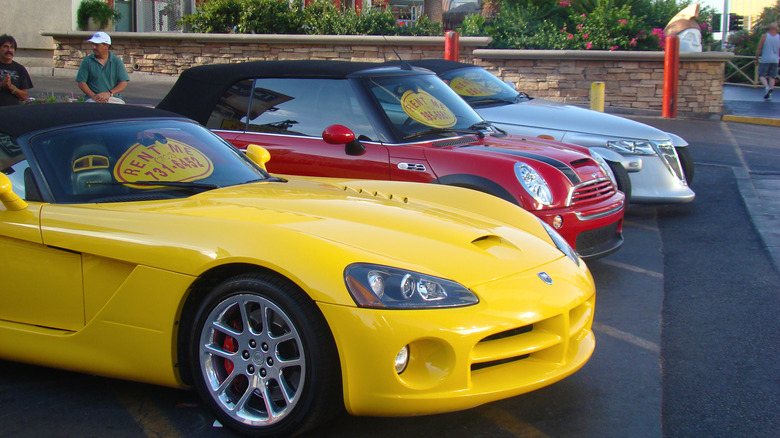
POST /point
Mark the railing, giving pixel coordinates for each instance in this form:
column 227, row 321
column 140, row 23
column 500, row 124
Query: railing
column 747, row 71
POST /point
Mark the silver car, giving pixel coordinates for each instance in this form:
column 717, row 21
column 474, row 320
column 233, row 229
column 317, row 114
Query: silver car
column 650, row 165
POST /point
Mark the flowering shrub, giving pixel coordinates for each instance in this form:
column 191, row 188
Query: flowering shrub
column 582, row 24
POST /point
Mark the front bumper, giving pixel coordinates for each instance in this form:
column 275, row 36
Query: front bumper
column 523, row 335
column 656, row 184
column 594, row 230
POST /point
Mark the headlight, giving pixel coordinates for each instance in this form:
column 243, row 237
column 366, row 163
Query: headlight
column 533, row 183
column 636, row 147
column 604, row 166
column 392, row 288
column 561, row 244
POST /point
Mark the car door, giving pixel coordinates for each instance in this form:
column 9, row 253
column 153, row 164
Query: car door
column 287, row 117
column 42, row 284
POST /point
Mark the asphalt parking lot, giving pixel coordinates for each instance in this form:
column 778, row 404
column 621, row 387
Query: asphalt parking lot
column 686, row 325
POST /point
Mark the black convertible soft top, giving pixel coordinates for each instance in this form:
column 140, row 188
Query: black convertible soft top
column 18, row 120
column 198, row 89
column 435, row 65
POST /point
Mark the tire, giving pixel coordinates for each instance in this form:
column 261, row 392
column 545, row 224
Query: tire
column 278, row 377
column 622, row 179
column 686, row 161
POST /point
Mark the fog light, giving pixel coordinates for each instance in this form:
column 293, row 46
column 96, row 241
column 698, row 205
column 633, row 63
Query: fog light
column 557, row 222
column 402, row 360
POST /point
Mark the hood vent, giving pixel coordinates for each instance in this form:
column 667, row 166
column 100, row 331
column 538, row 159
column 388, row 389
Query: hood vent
column 455, row 142
column 375, row 194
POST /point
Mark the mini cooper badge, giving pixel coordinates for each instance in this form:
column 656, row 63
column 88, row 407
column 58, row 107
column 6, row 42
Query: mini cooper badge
column 545, row 277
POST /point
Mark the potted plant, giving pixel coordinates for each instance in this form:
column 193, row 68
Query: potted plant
column 95, row 15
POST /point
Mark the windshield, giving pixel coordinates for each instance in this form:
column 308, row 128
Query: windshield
column 122, row 161
column 479, row 86
column 420, row 106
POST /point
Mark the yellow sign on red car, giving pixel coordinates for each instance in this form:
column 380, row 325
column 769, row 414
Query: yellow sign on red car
column 427, row 110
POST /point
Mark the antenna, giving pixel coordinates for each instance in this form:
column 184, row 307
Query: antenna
column 404, row 65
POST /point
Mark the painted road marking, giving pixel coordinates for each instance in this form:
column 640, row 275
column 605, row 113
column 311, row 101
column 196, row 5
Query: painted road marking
column 628, row 337
column 510, row 423
column 633, row 268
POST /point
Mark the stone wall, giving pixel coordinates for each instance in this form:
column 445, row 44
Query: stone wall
column 633, row 80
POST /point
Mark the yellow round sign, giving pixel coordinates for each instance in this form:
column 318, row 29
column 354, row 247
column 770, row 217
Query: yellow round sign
column 467, row 87
column 427, row 110
column 169, row 161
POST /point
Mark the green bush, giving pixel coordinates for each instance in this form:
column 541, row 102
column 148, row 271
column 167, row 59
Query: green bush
column 320, row 17
column 98, row 10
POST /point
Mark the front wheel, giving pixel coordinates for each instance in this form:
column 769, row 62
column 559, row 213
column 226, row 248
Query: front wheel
column 263, row 357
column 622, row 178
column 686, row 161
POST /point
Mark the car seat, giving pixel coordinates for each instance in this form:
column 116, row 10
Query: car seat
column 90, row 167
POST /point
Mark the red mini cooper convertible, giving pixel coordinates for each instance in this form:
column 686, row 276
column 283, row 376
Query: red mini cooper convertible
column 363, row 120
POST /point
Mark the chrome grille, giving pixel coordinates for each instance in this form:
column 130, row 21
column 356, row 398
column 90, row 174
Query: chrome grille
column 590, row 191
column 669, row 156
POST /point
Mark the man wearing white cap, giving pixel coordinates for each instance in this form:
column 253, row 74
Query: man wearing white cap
column 102, row 75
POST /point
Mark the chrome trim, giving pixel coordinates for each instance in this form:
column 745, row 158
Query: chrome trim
column 583, row 184
column 665, row 157
column 583, row 217
column 412, row 166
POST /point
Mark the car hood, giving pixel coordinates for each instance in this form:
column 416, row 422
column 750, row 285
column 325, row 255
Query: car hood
column 400, row 224
column 569, row 118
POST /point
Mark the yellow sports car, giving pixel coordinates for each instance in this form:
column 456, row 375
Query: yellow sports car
column 138, row 245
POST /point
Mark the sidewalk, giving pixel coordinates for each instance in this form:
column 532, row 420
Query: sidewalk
column 747, row 105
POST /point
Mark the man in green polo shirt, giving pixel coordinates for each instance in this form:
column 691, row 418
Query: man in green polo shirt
column 102, row 75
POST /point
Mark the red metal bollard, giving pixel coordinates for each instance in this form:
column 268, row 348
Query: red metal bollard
column 671, row 76
column 451, row 46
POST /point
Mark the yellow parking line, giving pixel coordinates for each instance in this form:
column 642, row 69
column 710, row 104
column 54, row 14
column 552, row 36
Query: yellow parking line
column 510, row 423
column 633, row 268
column 628, row 337
column 153, row 423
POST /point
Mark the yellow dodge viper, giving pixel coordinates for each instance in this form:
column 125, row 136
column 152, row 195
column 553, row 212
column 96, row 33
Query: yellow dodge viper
column 138, row 245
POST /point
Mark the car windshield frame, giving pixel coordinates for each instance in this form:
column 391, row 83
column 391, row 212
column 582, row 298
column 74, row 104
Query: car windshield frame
column 386, row 92
column 487, row 89
column 98, row 162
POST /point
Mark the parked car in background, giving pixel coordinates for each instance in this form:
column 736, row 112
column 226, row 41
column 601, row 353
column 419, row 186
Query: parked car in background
column 364, row 120
column 659, row 163
column 138, row 245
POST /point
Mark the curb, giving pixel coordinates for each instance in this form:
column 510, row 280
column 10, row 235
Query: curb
column 752, row 120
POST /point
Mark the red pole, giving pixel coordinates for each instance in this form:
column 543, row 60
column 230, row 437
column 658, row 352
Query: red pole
column 451, row 46
column 671, row 76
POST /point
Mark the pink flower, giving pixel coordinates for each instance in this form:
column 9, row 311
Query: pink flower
column 622, row 21
column 571, row 36
column 588, row 46
column 613, row 48
column 564, row 3
column 584, row 16
column 632, row 43
column 584, row 35
column 579, row 26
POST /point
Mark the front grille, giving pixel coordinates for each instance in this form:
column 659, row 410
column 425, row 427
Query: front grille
column 591, row 191
column 523, row 347
column 668, row 154
column 598, row 240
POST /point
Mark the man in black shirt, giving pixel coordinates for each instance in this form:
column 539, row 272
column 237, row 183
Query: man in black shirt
column 14, row 79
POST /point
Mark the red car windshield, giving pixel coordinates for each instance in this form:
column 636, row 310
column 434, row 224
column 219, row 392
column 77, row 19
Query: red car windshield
column 422, row 106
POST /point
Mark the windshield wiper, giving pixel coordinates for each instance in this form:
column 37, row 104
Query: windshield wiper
column 266, row 179
column 522, row 95
column 488, row 100
column 476, row 129
column 192, row 186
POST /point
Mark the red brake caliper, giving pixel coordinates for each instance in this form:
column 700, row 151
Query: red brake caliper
column 230, row 345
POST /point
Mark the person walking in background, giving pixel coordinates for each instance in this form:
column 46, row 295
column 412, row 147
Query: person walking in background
column 102, row 75
column 14, row 79
column 769, row 51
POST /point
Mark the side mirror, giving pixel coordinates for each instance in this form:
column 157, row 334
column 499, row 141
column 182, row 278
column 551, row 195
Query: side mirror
column 258, row 154
column 340, row 134
column 11, row 200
